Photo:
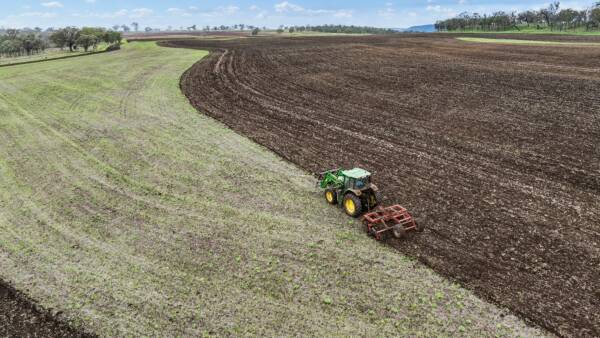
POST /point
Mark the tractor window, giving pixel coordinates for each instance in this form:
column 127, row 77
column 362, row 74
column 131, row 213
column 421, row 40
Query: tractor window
column 349, row 182
column 359, row 184
column 362, row 182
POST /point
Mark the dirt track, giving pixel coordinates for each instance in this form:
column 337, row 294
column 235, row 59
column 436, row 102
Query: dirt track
column 493, row 147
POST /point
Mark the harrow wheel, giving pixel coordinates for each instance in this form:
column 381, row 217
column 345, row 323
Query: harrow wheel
column 398, row 231
column 352, row 205
column 331, row 196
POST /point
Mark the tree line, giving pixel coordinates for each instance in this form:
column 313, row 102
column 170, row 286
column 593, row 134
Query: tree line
column 86, row 37
column 15, row 43
column 551, row 17
column 341, row 29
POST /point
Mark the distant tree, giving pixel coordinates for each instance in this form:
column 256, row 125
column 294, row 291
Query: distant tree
column 86, row 41
column 242, row 26
column 567, row 18
column 528, row 17
column 98, row 32
column 279, row 30
column 135, row 26
column 292, row 29
column 349, row 29
column 59, row 39
column 255, row 31
column 116, row 27
column 112, row 37
column 12, row 33
column 551, row 17
column 595, row 16
column 66, row 37
column 148, row 29
column 549, row 14
column 125, row 28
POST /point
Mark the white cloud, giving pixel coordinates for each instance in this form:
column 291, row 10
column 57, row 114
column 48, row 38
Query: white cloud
column 228, row 10
column 182, row 12
column 261, row 15
column 221, row 11
column 140, row 13
column 343, row 14
column 193, row 10
column 285, row 7
column 52, row 4
column 44, row 15
column 441, row 10
column 106, row 15
column 254, row 8
column 288, row 7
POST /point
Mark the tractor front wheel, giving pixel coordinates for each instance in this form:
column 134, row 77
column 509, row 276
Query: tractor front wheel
column 331, row 196
column 352, row 205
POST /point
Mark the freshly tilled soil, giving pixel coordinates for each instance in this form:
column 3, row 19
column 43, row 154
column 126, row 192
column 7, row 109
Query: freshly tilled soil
column 495, row 148
column 21, row 317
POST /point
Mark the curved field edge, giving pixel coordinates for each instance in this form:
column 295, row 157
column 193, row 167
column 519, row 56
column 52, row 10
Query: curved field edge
column 22, row 317
column 131, row 214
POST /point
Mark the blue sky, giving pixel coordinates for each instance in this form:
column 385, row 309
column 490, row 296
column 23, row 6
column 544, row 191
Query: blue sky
column 165, row 13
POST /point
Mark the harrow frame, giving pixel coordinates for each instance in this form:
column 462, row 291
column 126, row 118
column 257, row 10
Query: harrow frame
column 393, row 218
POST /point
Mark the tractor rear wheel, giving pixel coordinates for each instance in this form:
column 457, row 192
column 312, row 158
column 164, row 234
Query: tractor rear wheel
column 331, row 196
column 352, row 205
column 398, row 231
column 374, row 199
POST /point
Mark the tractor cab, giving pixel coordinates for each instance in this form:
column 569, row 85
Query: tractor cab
column 351, row 189
column 356, row 178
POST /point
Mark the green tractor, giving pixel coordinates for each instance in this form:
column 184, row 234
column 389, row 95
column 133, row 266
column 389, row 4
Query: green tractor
column 350, row 189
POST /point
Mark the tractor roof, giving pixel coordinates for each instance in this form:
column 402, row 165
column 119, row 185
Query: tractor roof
column 356, row 173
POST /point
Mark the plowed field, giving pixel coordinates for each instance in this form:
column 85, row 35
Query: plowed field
column 494, row 148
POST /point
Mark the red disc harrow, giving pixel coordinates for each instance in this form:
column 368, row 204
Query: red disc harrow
column 394, row 218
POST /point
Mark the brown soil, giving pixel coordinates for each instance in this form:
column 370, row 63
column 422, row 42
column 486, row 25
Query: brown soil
column 494, row 148
column 20, row 317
